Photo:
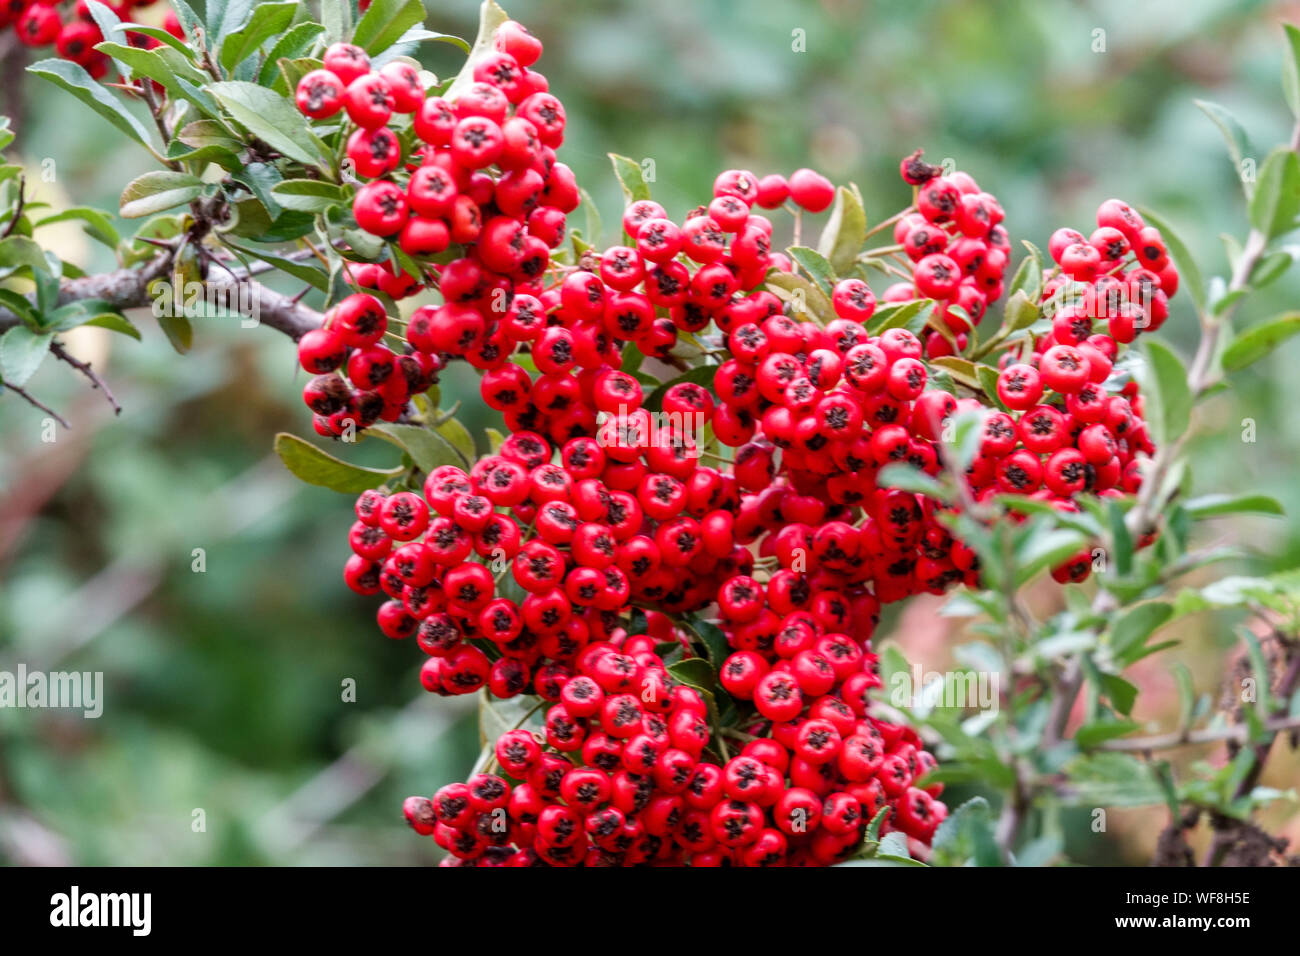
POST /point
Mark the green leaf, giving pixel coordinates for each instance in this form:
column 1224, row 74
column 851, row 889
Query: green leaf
column 21, row 353
column 336, row 15
column 1233, row 134
column 83, row 86
column 1276, row 202
column 115, row 323
column 317, row 468
column 1211, row 506
column 308, row 195
column 1112, row 780
column 491, row 17
column 710, row 638
column 384, row 23
column 1099, row 731
column 815, row 264
column 459, row 437
column 803, row 295
column 178, row 329
column 1291, row 69
column 305, row 271
column 295, row 43
column 22, row 307
column 1132, row 629
column 1178, row 251
column 966, row 834
column 988, row 379
column 1121, row 539
column 98, row 225
column 156, row 191
column 19, row 251
column 700, row 375
column 266, row 21
column 895, row 315
column 1119, row 692
column 1258, row 340
column 139, row 63
column 271, row 118
column 1019, row 313
column 908, row 478
column 226, row 16
column 630, row 177
column 427, row 449
column 592, row 228
column 1168, row 392
column 1028, row 278
column 156, row 33
column 845, row 231
column 961, row 369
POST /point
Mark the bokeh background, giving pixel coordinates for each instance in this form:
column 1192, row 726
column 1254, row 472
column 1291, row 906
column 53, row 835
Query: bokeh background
column 223, row 688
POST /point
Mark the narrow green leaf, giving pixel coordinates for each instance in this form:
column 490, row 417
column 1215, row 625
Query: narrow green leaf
column 115, row 323
column 1178, row 251
column 1167, row 390
column 1211, row 506
column 1020, row 313
column 74, row 78
column 308, row 195
column 1233, row 135
column 318, row 468
column 1099, row 731
column 266, row 21
column 1132, row 629
column 1291, row 69
column 156, row 191
column 98, row 225
column 271, row 118
column 1028, row 279
column 907, row 478
column 1119, row 692
column 1276, row 202
column 295, row 43
column 459, row 437
column 895, row 315
column 845, row 231
column 816, row 265
column 178, row 329
column 427, row 448
column 630, row 177
column 491, row 17
column 385, row 21
column 1259, row 340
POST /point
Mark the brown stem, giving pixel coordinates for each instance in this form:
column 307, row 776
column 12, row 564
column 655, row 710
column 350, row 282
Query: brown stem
column 31, row 400
column 59, row 352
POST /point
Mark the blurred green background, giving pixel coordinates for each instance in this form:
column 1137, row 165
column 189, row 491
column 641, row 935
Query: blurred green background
column 224, row 687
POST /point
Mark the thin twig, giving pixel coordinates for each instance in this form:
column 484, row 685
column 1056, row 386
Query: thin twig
column 25, row 395
column 59, row 352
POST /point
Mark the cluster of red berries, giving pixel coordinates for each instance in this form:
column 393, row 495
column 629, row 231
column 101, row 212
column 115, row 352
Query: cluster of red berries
column 381, row 381
column 958, row 248
column 74, row 33
column 1067, row 432
column 520, row 576
column 482, row 177
column 575, row 541
column 626, row 774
